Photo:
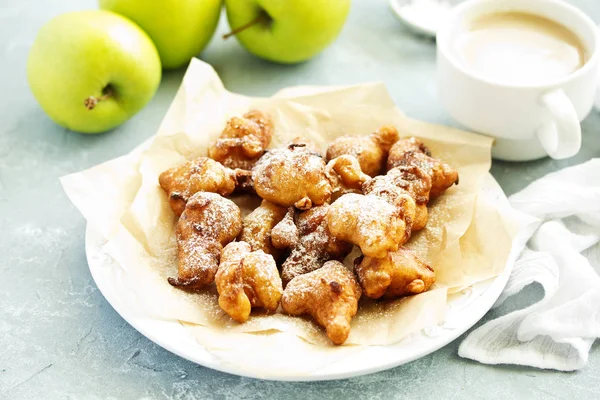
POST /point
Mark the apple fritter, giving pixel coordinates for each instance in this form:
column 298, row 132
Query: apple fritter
column 312, row 211
column 285, row 234
column 370, row 151
column 258, row 226
column 292, row 176
column 200, row 175
column 247, row 279
column 329, row 295
column 243, row 141
column 208, row 222
column 307, row 144
column 409, row 180
column 373, row 223
column 311, row 244
column 411, row 143
column 345, row 175
column 400, row 273
column 412, row 152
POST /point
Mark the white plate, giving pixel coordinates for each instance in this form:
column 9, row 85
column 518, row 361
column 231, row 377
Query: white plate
column 464, row 310
column 422, row 16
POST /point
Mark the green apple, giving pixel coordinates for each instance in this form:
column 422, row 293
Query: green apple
column 288, row 31
column 180, row 29
column 92, row 70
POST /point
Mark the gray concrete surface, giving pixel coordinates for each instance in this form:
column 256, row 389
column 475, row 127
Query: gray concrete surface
column 59, row 338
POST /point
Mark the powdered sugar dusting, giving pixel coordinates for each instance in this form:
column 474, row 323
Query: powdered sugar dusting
column 202, row 174
column 330, row 295
column 367, row 221
column 315, row 246
column 243, row 140
column 208, row 222
column 288, row 175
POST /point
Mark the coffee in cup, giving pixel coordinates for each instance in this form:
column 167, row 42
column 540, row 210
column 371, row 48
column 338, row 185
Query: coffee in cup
column 524, row 72
column 517, row 48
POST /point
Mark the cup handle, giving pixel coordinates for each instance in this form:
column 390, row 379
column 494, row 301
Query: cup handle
column 560, row 137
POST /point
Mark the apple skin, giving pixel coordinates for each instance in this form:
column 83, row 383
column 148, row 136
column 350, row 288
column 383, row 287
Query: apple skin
column 79, row 54
column 180, row 29
column 298, row 30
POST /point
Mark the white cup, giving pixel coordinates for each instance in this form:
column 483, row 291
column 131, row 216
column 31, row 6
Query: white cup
column 528, row 122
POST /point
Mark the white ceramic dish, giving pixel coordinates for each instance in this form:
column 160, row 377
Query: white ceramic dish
column 465, row 309
column 422, row 16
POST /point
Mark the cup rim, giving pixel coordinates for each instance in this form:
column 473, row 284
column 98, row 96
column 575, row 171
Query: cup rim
column 443, row 47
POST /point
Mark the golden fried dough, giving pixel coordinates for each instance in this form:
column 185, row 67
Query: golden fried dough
column 370, row 151
column 417, row 182
column 412, row 152
column 292, row 176
column 200, row 175
column 400, row 273
column 243, row 141
column 330, row 295
column 385, row 189
column 285, row 234
column 370, row 222
column 412, row 181
column 258, row 225
column 311, row 244
column 406, row 144
column 312, row 211
column 208, row 222
column 247, row 279
column 307, row 144
column 345, row 175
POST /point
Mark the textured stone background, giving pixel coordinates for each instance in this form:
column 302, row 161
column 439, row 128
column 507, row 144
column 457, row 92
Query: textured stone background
column 60, row 339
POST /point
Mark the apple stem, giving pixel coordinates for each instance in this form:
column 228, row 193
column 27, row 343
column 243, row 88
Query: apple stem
column 91, row 102
column 263, row 17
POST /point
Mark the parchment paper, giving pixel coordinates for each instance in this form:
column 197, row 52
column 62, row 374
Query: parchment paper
column 466, row 240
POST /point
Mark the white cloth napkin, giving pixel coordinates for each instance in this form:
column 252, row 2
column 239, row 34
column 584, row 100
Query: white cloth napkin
column 563, row 256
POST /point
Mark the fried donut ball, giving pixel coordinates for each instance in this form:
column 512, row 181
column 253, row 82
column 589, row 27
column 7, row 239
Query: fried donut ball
column 200, row 175
column 311, row 244
column 208, row 223
column 412, row 152
column 329, row 295
column 370, row 151
column 258, row 226
column 372, row 223
column 400, row 273
column 292, row 176
column 247, row 279
column 243, row 141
